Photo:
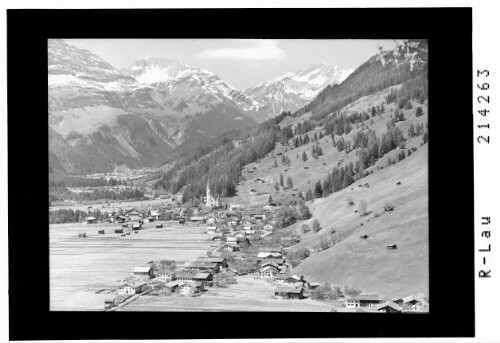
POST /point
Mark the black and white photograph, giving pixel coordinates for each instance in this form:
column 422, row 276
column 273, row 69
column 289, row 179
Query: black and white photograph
column 238, row 175
column 247, row 173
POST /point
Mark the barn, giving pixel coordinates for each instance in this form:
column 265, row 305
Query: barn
column 144, row 272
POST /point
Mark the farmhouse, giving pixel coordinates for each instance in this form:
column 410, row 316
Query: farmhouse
column 294, row 280
column 388, row 307
column 220, row 262
column 91, row 220
column 197, row 219
column 279, row 279
column 165, row 275
column 133, row 287
column 362, row 300
column 260, row 216
column 289, row 292
column 133, row 215
column 194, row 275
column 144, row 273
column 189, row 288
column 154, row 213
column 232, row 222
column 268, row 227
column 229, row 272
column 120, row 219
column 268, row 270
column 262, row 255
column 211, row 230
column 172, row 285
column 202, row 265
column 229, row 248
column 271, row 249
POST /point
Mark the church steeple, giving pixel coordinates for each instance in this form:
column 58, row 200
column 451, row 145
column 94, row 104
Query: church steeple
column 208, row 194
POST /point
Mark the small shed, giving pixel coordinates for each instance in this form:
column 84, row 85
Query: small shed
column 91, row 220
column 289, row 292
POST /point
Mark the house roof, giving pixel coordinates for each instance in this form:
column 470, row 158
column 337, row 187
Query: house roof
column 134, row 283
column 283, row 289
column 388, row 304
column 411, row 298
column 197, row 218
column 269, row 264
column 90, row 218
column 199, row 264
column 172, row 283
column 270, row 249
column 212, row 259
column 196, row 284
column 202, row 275
column 367, row 297
column 186, row 275
column 142, row 269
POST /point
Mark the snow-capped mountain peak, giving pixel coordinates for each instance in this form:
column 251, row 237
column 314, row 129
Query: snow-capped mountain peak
column 183, row 87
column 290, row 91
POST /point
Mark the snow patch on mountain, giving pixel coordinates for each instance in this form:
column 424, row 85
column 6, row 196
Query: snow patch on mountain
column 291, row 91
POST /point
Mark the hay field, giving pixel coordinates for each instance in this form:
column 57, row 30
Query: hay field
column 80, row 266
column 248, row 294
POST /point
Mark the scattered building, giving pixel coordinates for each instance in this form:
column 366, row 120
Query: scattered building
column 144, row 273
column 132, row 287
column 133, row 215
column 212, row 230
column 190, row 288
column 282, row 292
column 91, row 220
column 268, row 270
column 362, row 300
column 388, row 307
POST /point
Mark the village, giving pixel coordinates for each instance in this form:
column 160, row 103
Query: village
column 245, row 243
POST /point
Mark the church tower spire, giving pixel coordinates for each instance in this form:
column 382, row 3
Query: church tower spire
column 208, row 194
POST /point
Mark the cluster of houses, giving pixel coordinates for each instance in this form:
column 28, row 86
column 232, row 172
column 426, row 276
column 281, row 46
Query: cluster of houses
column 192, row 278
column 374, row 303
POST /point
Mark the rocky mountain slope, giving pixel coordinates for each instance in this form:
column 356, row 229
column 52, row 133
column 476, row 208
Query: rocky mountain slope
column 105, row 115
column 291, row 91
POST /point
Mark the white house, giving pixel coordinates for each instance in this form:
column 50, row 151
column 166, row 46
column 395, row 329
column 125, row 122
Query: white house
column 211, row 230
column 268, row 227
column 133, row 287
column 189, row 288
column 269, row 271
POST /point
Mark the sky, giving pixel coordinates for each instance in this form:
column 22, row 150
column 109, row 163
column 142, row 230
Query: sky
column 242, row 63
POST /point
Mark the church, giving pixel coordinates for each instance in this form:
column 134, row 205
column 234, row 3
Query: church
column 210, row 201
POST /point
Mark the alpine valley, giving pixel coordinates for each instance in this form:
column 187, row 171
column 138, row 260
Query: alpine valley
column 143, row 115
